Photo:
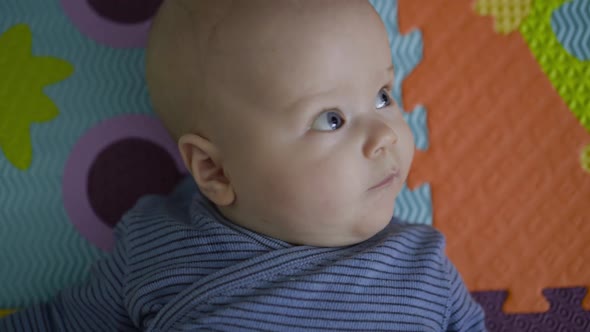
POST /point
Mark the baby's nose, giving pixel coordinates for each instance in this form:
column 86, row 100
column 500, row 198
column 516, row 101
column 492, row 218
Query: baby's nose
column 381, row 140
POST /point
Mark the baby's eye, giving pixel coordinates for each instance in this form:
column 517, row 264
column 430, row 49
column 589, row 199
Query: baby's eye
column 383, row 99
column 328, row 121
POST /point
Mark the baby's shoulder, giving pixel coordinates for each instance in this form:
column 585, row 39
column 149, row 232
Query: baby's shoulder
column 405, row 241
column 173, row 207
column 152, row 217
column 420, row 235
column 402, row 257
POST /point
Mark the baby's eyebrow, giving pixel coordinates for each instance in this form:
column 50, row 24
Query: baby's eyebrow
column 389, row 71
column 303, row 101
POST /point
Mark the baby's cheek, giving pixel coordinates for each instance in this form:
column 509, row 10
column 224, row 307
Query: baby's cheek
column 407, row 147
column 325, row 195
column 301, row 193
column 279, row 192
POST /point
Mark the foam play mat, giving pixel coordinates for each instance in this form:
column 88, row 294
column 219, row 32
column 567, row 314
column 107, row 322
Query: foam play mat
column 497, row 93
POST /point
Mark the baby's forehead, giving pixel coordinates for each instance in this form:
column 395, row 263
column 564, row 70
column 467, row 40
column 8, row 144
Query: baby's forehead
column 226, row 25
column 265, row 48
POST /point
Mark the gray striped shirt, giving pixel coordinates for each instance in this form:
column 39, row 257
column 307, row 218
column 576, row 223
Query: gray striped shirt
column 178, row 265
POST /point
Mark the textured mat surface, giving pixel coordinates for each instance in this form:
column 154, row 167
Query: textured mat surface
column 508, row 14
column 565, row 313
column 47, row 110
column 503, row 164
column 558, row 34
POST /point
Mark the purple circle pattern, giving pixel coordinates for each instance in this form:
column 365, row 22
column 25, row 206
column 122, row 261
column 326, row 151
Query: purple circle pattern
column 105, row 30
column 125, row 11
column 75, row 183
column 125, row 171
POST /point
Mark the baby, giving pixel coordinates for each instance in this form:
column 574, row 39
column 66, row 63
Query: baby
column 283, row 116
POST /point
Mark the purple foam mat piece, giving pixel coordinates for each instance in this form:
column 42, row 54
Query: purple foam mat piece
column 565, row 312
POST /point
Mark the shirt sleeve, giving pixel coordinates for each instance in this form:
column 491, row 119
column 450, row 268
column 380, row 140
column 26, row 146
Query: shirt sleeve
column 464, row 313
column 95, row 305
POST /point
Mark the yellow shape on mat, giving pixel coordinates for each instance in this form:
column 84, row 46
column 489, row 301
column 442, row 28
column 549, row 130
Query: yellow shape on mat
column 4, row 312
column 568, row 74
column 507, row 13
column 22, row 101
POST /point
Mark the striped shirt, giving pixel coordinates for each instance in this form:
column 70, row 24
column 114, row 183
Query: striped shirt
column 179, row 265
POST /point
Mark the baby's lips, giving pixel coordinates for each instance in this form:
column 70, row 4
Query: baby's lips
column 392, row 175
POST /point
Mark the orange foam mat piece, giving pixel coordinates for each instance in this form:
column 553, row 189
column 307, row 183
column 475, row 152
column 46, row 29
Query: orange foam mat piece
column 508, row 190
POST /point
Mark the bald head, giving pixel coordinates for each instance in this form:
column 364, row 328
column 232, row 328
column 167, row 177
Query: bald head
column 209, row 58
column 246, row 87
column 176, row 60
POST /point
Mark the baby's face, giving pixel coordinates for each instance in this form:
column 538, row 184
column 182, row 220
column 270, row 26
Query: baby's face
column 312, row 129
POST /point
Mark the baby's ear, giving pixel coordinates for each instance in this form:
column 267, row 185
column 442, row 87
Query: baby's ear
column 203, row 161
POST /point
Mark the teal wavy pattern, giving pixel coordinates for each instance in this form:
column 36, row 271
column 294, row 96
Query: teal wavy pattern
column 417, row 121
column 571, row 25
column 414, row 206
column 40, row 250
column 406, row 50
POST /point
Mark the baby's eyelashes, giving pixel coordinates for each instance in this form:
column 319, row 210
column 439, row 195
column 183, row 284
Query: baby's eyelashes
column 331, row 120
column 328, row 121
column 383, row 98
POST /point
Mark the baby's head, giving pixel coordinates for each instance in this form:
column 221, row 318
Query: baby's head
column 283, row 114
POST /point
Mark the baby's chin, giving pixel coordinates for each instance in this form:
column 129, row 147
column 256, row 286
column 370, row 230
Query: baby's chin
column 371, row 229
column 356, row 234
column 351, row 240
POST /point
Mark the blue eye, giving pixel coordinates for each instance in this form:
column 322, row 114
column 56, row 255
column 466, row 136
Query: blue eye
column 328, row 121
column 383, row 99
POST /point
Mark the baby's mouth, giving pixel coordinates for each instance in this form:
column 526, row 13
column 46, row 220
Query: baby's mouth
column 386, row 181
